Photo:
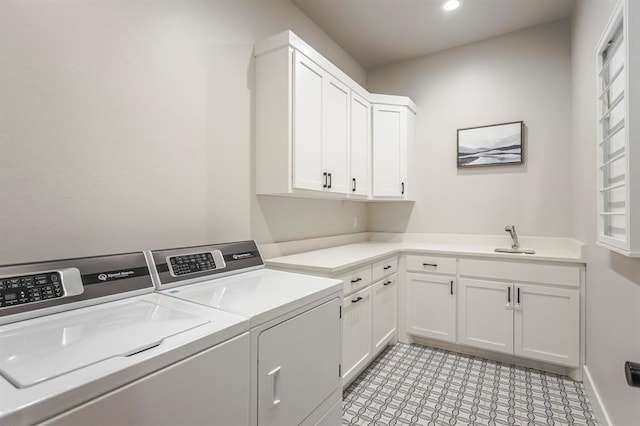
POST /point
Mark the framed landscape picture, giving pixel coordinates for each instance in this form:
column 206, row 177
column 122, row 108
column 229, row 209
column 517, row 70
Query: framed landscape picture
column 496, row 144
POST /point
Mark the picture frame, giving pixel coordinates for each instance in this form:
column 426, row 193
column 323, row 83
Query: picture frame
column 491, row 145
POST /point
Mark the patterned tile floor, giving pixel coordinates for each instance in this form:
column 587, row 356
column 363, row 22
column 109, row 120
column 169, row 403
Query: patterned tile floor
column 418, row 385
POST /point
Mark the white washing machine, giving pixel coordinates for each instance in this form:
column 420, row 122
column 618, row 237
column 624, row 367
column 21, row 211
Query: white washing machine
column 88, row 341
column 295, row 325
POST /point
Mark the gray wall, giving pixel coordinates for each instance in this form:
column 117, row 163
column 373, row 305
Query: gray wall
column 613, row 281
column 524, row 75
column 127, row 125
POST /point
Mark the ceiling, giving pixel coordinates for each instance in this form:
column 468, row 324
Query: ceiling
column 379, row 32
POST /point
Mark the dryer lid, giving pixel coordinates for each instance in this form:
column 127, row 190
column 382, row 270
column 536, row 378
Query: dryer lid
column 44, row 348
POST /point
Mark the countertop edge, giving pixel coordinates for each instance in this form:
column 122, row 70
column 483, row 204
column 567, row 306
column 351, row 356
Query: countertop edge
column 276, row 264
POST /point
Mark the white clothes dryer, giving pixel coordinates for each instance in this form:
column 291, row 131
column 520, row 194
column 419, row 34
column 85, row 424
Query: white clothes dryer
column 295, row 325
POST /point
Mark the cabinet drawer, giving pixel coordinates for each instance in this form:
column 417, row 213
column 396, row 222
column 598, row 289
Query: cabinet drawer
column 384, row 268
column 356, row 280
column 420, row 263
column 557, row 274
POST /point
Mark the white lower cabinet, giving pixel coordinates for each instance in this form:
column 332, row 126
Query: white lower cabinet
column 547, row 323
column 384, row 295
column 356, row 333
column 431, row 306
column 369, row 313
column 529, row 320
column 485, row 317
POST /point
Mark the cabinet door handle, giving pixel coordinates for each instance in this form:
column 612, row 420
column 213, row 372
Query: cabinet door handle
column 402, row 188
column 452, row 287
column 433, row 265
column 518, row 296
column 387, row 267
column 324, row 180
column 356, row 280
column 329, row 180
column 387, row 283
column 354, row 185
column 508, row 294
column 357, row 300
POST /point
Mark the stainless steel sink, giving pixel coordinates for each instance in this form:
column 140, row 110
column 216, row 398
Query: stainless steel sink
column 515, row 250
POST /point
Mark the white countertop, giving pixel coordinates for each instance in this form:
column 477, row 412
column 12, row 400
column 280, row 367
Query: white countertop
column 341, row 258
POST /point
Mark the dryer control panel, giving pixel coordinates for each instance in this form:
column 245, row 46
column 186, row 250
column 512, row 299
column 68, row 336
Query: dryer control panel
column 191, row 263
column 187, row 265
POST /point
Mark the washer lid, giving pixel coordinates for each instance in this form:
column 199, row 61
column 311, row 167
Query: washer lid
column 43, row 348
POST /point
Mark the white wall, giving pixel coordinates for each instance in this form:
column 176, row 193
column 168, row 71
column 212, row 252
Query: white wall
column 613, row 281
column 127, row 125
column 524, row 75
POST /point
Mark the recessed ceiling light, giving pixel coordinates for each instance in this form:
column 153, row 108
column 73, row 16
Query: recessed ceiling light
column 450, row 5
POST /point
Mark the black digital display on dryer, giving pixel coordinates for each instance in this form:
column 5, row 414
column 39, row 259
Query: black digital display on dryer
column 191, row 263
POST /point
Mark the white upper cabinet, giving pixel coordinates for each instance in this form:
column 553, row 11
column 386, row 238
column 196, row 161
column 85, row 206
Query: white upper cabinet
column 320, row 129
column 335, row 156
column 307, row 125
column 360, row 155
column 390, row 135
column 314, row 128
column 618, row 150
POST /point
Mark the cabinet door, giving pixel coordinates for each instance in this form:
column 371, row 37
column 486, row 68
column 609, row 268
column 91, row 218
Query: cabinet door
column 337, row 98
column 356, row 332
column 384, row 312
column 308, row 82
column 547, row 323
column 298, row 365
column 431, row 306
column 485, row 315
column 389, row 146
column 360, row 146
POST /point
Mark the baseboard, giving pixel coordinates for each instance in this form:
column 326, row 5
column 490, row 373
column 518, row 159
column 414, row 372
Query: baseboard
column 572, row 372
column 596, row 402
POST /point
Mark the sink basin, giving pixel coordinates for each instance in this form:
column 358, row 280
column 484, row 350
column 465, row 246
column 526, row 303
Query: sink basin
column 512, row 250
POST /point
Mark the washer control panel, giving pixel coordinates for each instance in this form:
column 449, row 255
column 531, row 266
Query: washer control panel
column 39, row 286
column 192, row 263
column 30, row 288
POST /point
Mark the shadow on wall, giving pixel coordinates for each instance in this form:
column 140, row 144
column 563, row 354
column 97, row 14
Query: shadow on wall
column 390, row 216
column 278, row 219
column 628, row 267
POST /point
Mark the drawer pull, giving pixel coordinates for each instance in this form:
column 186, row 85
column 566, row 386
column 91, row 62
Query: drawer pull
column 356, row 280
column 387, row 267
column 388, row 282
column 357, row 300
column 433, row 265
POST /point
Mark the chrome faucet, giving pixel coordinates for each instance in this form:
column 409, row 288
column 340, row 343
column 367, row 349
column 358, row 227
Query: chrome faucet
column 511, row 229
